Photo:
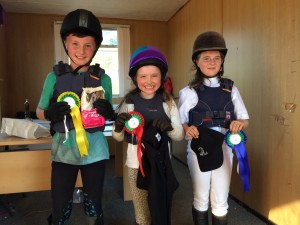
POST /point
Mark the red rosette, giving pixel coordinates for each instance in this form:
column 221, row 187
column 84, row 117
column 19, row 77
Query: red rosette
column 134, row 122
column 135, row 125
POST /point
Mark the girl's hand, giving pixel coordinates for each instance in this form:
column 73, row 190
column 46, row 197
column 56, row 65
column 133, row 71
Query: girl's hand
column 191, row 132
column 237, row 125
column 163, row 125
column 120, row 121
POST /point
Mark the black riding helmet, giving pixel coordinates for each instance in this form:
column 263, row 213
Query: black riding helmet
column 83, row 22
column 209, row 41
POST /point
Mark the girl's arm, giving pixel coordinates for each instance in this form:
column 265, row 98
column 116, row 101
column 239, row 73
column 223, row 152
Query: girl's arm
column 177, row 134
column 240, row 111
column 40, row 113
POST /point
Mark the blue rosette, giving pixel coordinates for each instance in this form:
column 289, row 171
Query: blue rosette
column 237, row 142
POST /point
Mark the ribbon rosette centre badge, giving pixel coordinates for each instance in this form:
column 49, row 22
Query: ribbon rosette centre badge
column 70, row 97
column 136, row 121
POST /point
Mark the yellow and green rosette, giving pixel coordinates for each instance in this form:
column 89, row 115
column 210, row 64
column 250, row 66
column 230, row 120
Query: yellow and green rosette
column 74, row 102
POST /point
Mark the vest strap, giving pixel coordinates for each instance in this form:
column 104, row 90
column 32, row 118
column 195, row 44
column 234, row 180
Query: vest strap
column 226, row 84
column 61, row 68
column 96, row 71
column 222, row 114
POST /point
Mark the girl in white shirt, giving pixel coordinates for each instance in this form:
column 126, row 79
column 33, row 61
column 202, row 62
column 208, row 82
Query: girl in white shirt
column 210, row 102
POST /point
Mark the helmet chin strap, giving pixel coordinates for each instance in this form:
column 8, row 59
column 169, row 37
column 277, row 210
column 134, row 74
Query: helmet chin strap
column 87, row 64
column 220, row 73
column 79, row 67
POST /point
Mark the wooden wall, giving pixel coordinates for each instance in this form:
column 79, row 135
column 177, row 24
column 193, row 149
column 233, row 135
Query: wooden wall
column 30, row 53
column 2, row 66
column 194, row 18
column 265, row 40
column 263, row 37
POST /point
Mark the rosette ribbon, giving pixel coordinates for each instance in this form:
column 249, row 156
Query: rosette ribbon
column 135, row 125
column 73, row 100
column 237, row 142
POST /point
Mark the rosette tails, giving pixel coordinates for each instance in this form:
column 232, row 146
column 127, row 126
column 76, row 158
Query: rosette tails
column 238, row 143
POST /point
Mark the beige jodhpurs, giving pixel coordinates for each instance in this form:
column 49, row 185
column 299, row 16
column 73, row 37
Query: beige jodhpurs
column 139, row 198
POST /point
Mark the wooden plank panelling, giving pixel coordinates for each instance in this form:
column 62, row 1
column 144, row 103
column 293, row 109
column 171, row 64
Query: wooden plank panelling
column 264, row 61
column 3, row 73
column 183, row 29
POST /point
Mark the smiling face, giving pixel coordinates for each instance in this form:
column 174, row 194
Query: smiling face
column 80, row 50
column 209, row 62
column 148, row 80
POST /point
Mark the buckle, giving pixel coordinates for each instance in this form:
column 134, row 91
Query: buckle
column 216, row 114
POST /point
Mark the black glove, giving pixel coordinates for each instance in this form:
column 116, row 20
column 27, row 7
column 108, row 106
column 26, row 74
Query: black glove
column 104, row 108
column 57, row 111
column 163, row 125
column 120, row 121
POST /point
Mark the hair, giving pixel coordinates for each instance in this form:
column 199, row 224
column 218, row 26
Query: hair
column 199, row 76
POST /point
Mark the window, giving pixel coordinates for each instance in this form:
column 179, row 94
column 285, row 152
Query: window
column 107, row 57
column 113, row 54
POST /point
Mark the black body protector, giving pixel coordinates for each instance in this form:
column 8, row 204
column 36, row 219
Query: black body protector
column 151, row 109
column 66, row 80
column 214, row 107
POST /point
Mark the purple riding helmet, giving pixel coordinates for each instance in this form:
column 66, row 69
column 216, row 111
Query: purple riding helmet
column 148, row 55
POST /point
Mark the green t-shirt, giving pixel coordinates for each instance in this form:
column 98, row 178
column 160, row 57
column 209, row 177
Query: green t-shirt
column 66, row 150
